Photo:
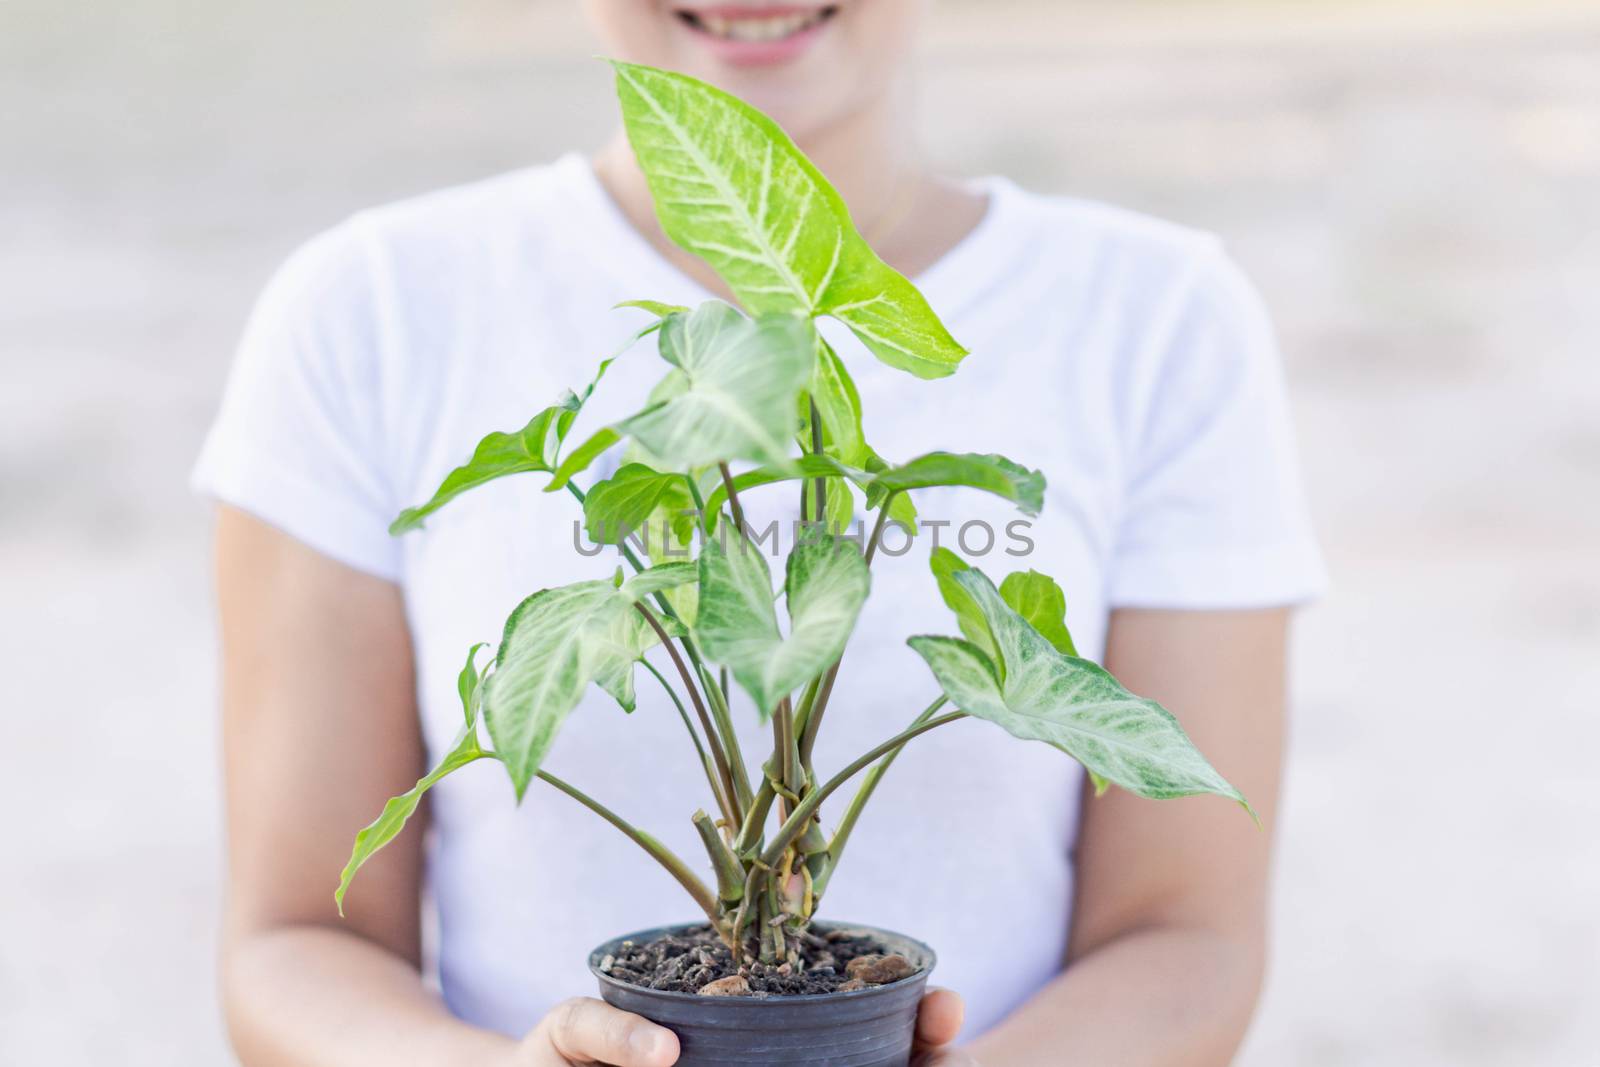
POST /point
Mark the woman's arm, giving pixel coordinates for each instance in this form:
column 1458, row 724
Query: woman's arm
column 319, row 727
column 1168, row 942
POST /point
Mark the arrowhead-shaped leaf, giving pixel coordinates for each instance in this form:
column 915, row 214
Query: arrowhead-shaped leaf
column 734, row 388
column 1067, row 702
column 531, row 448
column 827, row 582
column 656, row 307
column 556, row 642
column 732, row 188
column 468, row 684
column 627, row 502
column 397, row 811
column 536, row 447
column 992, row 474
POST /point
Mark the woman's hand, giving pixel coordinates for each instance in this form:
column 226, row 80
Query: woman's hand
column 584, row 1030
column 938, row 1023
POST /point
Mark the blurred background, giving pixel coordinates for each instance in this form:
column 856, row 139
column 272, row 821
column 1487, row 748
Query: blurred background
column 1415, row 185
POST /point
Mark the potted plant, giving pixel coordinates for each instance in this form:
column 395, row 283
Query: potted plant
column 757, row 388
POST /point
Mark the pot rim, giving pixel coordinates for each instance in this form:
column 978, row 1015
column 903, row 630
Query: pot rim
column 930, row 958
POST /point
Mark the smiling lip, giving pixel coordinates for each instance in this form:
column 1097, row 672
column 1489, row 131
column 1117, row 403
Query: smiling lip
column 756, row 36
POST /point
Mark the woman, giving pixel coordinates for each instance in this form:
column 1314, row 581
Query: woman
column 1123, row 356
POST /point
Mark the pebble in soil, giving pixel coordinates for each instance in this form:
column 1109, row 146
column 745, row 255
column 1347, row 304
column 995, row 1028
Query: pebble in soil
column 696, row 961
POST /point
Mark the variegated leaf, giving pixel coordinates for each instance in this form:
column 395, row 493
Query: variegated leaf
column 732, row 188
column 1070, row 703
column 826, row 584
column 734, row 388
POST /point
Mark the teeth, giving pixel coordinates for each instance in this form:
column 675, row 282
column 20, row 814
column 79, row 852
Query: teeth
column 758, row 29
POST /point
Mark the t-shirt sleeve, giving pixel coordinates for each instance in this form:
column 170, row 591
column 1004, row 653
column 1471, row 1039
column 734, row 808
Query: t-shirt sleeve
column 297, row 442
column 1214, row 516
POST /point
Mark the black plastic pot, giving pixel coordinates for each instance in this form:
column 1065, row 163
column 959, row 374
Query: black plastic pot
column 870, row 1027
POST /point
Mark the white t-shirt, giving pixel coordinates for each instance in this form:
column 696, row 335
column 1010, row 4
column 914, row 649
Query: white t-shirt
column 1123, row 356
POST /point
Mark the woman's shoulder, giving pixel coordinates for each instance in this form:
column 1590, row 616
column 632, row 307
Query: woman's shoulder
column 1089, row 236
column 1130, row 274
column 421, row 253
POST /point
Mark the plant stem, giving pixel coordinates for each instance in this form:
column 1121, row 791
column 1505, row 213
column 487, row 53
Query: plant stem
column 814, row 716
column 733, row 499
column 729, row 737
column 816, row 449
column 730, row 874
column 659, row 852
column 694, row 735
column 786, row 752
column 699, row 501
column 819, row 704
column 841, row 835
column 877, row 528
column 717, row 754
column 795, row 824
column 755, row 818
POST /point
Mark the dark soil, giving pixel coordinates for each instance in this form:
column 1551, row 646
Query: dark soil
column 690, row 961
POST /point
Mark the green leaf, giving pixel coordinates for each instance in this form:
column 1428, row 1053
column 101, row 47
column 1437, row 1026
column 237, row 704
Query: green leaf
column 890, row 316
column 991, row 473
column 655, row 307
column 661, row 577
column 1039, row 600
column 467, row 684
column 536, row 447
column 946, row 565
column 826, row 584
column 839, row 404
column 579, row 459
column 739, row 382
column 624, row 504
column 398, row 811
column 529, row 449
column 732, row 188
column 1067, row 702
column 556, row 642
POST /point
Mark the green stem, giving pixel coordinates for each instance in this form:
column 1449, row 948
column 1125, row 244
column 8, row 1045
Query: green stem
column 730, row 737
column 755, row 818
column 694, row 735
column 699, row 501
column 786, row 751
column 816, row 449
column 877, row 528
column 730, row 874
column 658, row 852
column 841, row 835
column 733, row 499
column 819, row 704
column 721, row 760
column 795, row 824
column 814, row 715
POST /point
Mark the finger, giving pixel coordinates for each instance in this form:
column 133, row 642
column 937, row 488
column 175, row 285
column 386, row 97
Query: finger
column 939, row 1018
column 586, row 1030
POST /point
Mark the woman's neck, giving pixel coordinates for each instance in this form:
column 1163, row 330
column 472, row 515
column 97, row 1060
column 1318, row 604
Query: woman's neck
column 908, row 215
